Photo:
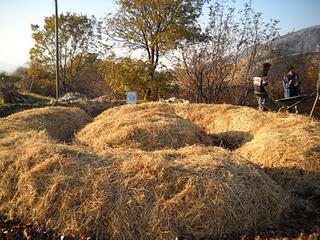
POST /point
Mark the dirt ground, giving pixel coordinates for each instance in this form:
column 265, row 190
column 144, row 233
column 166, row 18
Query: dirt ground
column 299, row 225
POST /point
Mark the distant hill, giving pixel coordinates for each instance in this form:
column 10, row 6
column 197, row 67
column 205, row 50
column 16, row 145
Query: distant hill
column 306, row 40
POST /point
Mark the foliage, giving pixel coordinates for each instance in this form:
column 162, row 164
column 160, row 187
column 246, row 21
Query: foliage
column 9, row 81
column 23, row 80
column 79, row 38
column 127, row 74
column 154, row 26
column 3, row 79
column 19, row 81
column 91, row 80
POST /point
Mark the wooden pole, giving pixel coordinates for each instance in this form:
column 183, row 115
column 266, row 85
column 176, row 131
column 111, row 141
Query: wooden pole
column 317, row 95
column 57, row 49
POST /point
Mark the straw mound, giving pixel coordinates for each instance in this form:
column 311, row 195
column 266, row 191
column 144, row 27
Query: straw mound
column 13, row 160
column 147, row 127
column 193, row 191
column 38, row 125
column 130, row 193
column 60, row 123
column 288, row 146
column 290, row 151
column 220, row 118
column 92, row 107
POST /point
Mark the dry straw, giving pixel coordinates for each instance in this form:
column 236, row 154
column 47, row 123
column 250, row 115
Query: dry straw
column 124, row 193
column 287, row 146
column 93, row 107
column 147, row 127
column 37, row 125
column 60, row 123
column 189, row 192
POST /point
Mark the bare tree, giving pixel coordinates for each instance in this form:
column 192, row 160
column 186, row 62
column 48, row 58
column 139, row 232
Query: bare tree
column 226, row 63
column 206, row 65
column 251, row 44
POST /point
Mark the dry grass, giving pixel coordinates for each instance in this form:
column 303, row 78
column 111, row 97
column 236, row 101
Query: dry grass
column 93, row 107
column 220, row 118
column 127, row 193
column 290, row 150
column 19, row 130
column 60, row 123
column 121, row 191
column 193, row 191
column 147, row 127
column 288, row 146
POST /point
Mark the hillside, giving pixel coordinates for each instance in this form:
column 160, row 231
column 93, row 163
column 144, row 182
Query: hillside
column 306, row 40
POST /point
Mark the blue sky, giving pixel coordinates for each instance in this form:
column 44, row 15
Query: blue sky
column 17, row 16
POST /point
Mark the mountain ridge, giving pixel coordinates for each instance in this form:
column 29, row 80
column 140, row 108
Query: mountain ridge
column 306, row 40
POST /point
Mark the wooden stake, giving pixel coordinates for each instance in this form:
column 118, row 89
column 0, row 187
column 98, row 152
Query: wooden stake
column 317, row 96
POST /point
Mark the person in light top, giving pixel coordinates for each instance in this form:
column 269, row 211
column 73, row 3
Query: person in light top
column 260, row 84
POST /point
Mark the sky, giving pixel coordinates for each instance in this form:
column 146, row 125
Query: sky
column 17, row 16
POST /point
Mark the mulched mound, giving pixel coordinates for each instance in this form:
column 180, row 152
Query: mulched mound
column 149, row 173
column 60, row 123
column 287, row 146
column 147, row 127
column 131, row 194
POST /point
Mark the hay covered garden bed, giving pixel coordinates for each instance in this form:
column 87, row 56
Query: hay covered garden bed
column 151, row 171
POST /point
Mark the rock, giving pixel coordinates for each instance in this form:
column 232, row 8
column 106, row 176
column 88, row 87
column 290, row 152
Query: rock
column 174, row 100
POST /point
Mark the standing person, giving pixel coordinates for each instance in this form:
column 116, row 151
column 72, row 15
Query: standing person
column 291, row 84
column 260, row 83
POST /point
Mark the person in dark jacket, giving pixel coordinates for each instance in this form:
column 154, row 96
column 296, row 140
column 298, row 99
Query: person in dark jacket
column 291, row 84
column 260, row 83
